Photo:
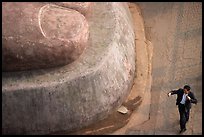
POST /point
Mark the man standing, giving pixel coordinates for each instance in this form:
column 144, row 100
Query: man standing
column 184, row 99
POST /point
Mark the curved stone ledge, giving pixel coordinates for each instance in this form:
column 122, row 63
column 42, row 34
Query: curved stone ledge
column 83, row 92
column 143, row 74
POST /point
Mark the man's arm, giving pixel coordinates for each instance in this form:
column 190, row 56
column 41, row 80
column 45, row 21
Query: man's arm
column 192, row 98
column 173, row 92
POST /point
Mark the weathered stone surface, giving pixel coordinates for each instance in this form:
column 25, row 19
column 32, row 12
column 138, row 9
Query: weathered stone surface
column 76, row 95
column 38, row 35
column 143, row 74
column 82, row 7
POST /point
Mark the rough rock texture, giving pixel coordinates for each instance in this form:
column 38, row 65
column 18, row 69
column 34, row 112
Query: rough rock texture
column 143, row 74
column 45, row 35
column 78, row 94
column 82, row 7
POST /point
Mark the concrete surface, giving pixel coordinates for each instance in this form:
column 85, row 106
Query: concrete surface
column 175, row 30
column 83, row 92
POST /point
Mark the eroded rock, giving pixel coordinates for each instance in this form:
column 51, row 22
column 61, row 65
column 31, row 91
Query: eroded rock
column 82, row 7
column 39, row 35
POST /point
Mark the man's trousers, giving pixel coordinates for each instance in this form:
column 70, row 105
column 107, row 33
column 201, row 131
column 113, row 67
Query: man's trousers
column 184, row 115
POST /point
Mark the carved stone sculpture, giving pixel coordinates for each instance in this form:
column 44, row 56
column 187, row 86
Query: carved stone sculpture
column 43, row 35
column 65, row 65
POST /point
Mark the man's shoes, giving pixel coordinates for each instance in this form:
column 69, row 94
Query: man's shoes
column 182, row 130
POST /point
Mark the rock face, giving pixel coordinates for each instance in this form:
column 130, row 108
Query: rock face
column 73, row 96
column 82, row 7
column 44, row 36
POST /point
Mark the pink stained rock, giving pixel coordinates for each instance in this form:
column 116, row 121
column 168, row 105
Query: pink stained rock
column 82, row 7
column 38, row 35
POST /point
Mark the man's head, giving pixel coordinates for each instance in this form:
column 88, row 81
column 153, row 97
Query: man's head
column 187, row 89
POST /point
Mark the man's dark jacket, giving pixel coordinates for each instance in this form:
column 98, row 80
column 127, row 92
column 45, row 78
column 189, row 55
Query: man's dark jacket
column 180, row 93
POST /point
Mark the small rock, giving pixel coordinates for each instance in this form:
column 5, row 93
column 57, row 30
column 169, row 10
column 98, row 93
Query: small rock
column 122, row 109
